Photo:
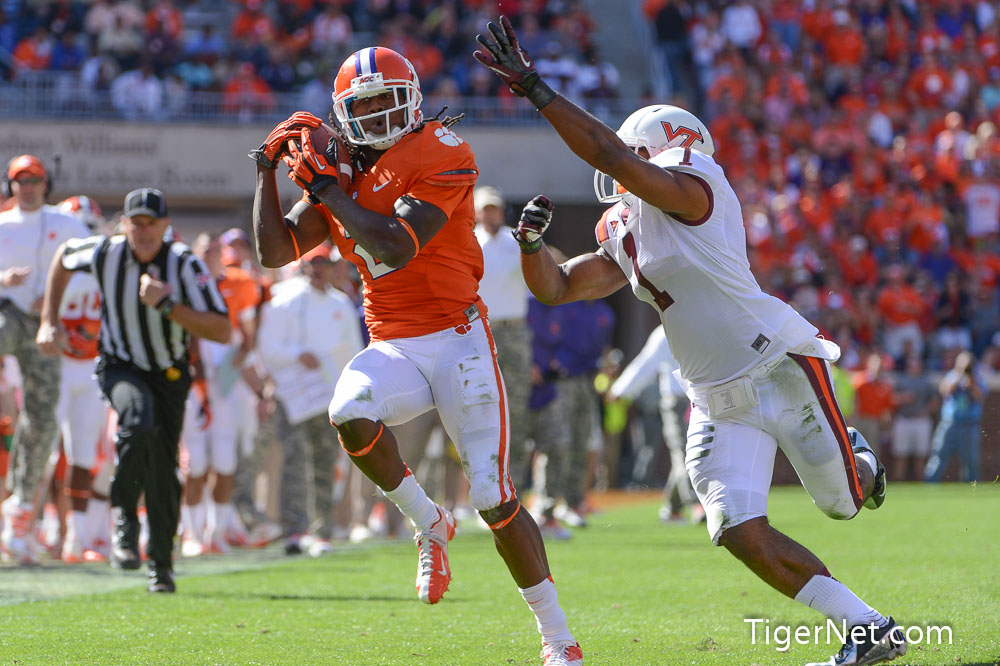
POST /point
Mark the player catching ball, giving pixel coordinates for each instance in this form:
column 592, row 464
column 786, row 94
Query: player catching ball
column 757, row 375
column 406, row 221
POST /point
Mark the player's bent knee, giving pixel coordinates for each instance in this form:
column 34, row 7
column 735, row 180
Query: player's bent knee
column 359, row 436
column 344, row 409
column 736, row 537
column 498, row 517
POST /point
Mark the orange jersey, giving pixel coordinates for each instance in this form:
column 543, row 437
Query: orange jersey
column 240, row 291
column 81, row 316
column 432, row 291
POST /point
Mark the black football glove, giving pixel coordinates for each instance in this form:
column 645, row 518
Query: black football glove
column 510, row 62
column 535, row 219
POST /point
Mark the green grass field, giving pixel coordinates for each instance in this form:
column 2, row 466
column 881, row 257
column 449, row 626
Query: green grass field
column 636, row 593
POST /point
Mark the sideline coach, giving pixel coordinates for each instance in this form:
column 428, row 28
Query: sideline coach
column 155, row 293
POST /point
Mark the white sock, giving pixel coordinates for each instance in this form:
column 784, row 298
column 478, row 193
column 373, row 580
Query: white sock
column 543, row 600
column 197, row 514
column 99, row 520
column 76, row 528
column 832, row 598
column 414, row 503
column 218, row 518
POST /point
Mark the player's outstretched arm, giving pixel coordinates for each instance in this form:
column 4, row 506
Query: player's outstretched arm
column 591, row 140
column 586, row 277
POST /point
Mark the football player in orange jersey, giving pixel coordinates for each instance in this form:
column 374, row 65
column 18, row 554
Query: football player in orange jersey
column 80, row 413
column 233, row 423
column 407, row 224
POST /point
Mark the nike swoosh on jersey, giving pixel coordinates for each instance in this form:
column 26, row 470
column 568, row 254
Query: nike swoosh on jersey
column 376, row 188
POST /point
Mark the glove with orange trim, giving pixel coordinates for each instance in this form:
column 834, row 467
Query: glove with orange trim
column 275, row 144
column 310, row 169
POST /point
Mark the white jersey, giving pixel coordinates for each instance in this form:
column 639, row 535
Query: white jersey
column 696, row 274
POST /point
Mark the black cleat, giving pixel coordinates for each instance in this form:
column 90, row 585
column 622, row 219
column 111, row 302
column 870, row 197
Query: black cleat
column 292, row 545
column 858, row 445
column 878, row 645
column 161, row 578
column 125, row 546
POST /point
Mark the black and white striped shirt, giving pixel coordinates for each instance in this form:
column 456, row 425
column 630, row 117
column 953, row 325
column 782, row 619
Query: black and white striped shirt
column 130, row 330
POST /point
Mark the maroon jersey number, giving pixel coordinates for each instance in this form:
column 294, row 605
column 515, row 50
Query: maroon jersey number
column 661, row 298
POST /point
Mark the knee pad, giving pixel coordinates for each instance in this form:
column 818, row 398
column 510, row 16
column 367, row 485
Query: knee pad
column 351, row 407
column 484, row 492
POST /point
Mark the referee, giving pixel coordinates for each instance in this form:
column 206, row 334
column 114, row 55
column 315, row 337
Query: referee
column 155, row 293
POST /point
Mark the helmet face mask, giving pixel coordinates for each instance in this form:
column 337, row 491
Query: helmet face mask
column 656, row 128
column 372, row 72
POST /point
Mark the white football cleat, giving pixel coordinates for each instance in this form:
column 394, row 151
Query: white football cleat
column 319, row 548
column 433, row 572
column 562, row 653
column 191, row 546
column 16, row 541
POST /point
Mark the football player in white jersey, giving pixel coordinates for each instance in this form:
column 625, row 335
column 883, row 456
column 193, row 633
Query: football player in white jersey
column 757, row 375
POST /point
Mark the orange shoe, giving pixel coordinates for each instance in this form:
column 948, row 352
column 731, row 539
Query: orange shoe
column 433, row 572
column 92, row 555
column 562, row 653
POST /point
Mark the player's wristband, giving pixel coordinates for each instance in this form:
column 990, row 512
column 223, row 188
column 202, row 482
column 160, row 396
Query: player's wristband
column 538, row 92
column 527, row 247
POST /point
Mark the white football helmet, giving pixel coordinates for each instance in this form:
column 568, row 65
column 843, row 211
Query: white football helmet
column 655, row 128
column 369, row 72
column 85, row 209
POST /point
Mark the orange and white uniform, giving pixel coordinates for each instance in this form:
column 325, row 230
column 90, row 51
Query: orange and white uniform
column 234, row 418
column 430, row 341
column 80, row 413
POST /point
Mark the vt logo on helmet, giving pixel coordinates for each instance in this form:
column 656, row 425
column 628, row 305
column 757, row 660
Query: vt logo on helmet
column 656, row 128
column 374, row 72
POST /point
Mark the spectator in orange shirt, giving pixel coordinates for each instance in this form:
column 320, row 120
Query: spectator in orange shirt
column 253, row 24
column 34, row 52
column 844, row 45
column 902, row 308
column 165, row 18
column 874, row 401
column 857, row 263
column 928, row 83
column 246, row 94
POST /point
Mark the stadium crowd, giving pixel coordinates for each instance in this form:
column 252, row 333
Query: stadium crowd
column 860, row 136
column 146, row 57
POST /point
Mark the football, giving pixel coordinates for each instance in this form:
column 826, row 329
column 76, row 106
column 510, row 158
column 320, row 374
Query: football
column 321, row 137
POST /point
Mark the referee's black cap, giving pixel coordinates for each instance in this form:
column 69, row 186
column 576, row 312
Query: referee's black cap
column 145, row 201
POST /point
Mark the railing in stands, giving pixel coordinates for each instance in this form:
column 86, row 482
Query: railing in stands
column 62, row 95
